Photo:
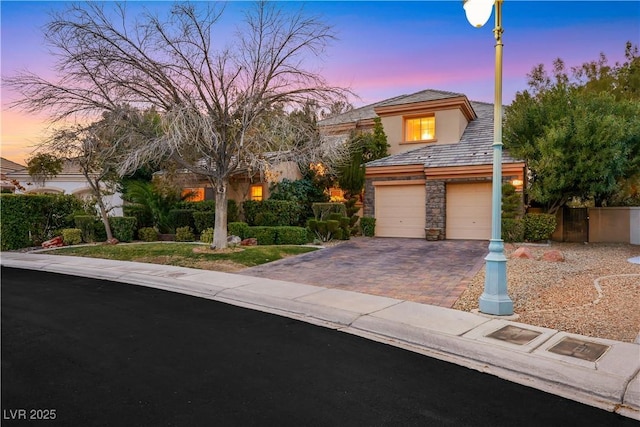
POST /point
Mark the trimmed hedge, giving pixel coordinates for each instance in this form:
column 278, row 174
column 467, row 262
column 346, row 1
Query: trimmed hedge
column 206, row 236
column 204, row 220
column 71, row 236
column 233, row 213
column 123, row 227
column 271, row 212
column 368, row 226
column 185, row 234
column 28, row 220
column 538, row 227
column 179, row 218
column 148, row 234
column 512, row 230
column 87, row 226
column 264, row 235
column 283, row 235
column 291, row 235
column 240, row 229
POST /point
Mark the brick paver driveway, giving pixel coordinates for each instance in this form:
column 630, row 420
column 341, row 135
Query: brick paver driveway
column 417, row 270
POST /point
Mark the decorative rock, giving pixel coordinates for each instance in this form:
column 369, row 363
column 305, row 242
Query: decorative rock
column 553, row 256
column 56, row 242
column 112, row 241
column 233, row 241
column 251, row 241
column 522, row 252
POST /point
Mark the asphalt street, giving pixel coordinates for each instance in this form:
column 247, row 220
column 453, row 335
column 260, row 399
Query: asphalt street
column 85, row 352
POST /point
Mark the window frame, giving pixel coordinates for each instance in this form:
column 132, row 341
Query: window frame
column 251, row 196
column 405, row 135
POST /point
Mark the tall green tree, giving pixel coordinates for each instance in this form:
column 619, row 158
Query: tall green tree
column 578, row 132
column 364, row 147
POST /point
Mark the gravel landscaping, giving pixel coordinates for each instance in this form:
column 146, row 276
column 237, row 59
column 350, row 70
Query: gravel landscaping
column 595, row 291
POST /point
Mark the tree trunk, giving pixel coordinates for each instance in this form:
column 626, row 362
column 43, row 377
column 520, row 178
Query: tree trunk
column 220, row 229
column 105, row 218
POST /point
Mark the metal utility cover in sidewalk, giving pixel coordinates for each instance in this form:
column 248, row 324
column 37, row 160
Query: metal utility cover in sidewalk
column 514, row 335
column 580, row 349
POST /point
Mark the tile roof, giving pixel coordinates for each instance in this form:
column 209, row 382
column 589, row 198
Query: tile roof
column 367, row 112
column 473, row 149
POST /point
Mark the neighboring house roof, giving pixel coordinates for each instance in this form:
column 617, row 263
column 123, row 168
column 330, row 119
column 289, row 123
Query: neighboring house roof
column 473, row 149
column 7, row 166
column 367, row 112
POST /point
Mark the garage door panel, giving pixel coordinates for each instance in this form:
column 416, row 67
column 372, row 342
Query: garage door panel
column 400, row 211
column 468, row 211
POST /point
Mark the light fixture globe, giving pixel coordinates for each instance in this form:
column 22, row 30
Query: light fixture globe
column 478, row 11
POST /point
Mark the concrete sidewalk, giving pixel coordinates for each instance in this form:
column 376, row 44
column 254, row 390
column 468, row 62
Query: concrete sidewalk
column 546, row 359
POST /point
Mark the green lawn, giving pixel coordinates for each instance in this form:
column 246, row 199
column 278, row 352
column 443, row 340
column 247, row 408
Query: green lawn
column 186, row 254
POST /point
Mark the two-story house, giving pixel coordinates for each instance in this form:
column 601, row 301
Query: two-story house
column 438, row 176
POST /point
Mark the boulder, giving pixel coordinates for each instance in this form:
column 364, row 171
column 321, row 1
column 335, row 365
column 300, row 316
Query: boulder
column 56, row 242
column 233, row 241
column 251, row 241
column 522, row 252
column 553, row 256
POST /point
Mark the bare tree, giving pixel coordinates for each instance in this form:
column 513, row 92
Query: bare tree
column 210, row 95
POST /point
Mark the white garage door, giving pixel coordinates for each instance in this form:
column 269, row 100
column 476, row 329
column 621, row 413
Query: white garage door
column 400, row 210
column 468, row 211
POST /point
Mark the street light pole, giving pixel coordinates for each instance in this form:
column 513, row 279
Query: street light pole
column 494, row 300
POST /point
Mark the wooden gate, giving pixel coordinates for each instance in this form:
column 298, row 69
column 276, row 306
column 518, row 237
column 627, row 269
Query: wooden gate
column 575, row 225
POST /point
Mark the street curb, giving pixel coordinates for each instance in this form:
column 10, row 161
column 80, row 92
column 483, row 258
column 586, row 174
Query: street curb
column 611, row 383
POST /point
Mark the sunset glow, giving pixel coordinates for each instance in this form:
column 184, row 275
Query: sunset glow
column 383, row 49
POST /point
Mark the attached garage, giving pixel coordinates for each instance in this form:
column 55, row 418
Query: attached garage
column 400, row 209
column 468, row 211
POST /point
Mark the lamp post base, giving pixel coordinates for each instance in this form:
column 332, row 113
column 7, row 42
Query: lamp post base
column 495, row 299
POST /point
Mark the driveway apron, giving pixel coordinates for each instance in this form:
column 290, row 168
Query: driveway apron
column 417, row 270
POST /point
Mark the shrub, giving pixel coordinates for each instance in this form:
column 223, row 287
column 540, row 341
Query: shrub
column 87, row 226
column 512, row 230
column 28, row 220
column 291, row 235
column 144, row 217
column 240, row 229
column 206, row 236
column 123, row 227
column 100, row 232
column 204, row 220
column 368, row 226
column 265, row 235
column 181, row 218
column 71, row 236
column 538, row 227
column 325, row 230
column 321, row 211
column 201, row 206
column 148, row 234
column 185, row 234
column 271, row 212
column 304, row 192
column 266, row 219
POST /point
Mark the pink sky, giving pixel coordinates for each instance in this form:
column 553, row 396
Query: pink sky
column 383, row 49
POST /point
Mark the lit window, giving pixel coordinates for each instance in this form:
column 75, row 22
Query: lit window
column 420, row 129
column 336, row 194
column 256, row 192
column 192, row 194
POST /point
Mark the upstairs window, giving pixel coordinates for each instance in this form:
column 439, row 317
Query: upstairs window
column 420, row 128
column 255, row 192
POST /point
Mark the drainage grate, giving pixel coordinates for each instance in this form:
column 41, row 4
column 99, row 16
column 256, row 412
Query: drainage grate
column 514, row 335
column 580, row 349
